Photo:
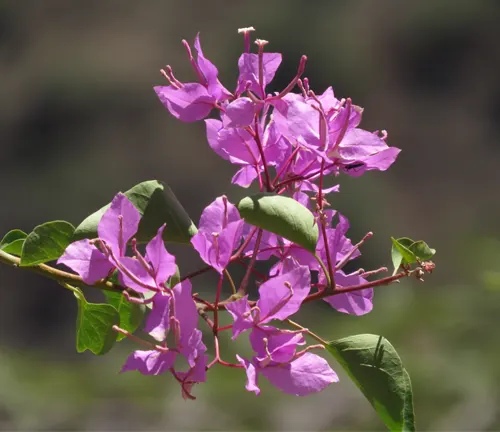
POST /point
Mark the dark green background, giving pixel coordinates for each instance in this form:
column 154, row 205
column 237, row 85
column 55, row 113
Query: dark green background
column 79, row 121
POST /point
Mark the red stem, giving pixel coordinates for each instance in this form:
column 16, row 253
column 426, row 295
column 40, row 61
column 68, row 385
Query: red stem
column 246, row 278
column 323, row 228
column 262, row 155
column 380, row 282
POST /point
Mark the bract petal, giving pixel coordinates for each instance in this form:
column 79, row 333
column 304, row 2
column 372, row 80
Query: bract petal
column 190, row 103
column 141, row 279
column 308, row 374
column 162, row 262
column 149, row 362
column 86, row 260
column 245, row 176
column 251, row 372
column 248, row 65
column 185, row 310
column 158, row 321
column 239, row 113
column 239, row 310
column 218, row 215
column 354, row 303
column 277, row 300
column 210, row 72
column 119, row 224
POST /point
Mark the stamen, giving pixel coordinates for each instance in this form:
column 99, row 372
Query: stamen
column 139, row 340
column 135, row 300
column 281, row 304
column 346, row 124
column 307, row 349
column 246, row 34
column 201, row 77
column 124, row 270
column 295, row 80
column 142, row 260
column 120, row 235
column 170, row 73
column 225, row 217
column 261, row 44
column 306, row 84
column 344, row 127
column 215, row 237
column 268, row 359
column 255, row 316
column 173, row 84
column 176, row 328
column 373, row 272
column 340, row 104
column 103, row 247
column 301, row 87
column 252, row 97
column 323, row 125
column 351, row 252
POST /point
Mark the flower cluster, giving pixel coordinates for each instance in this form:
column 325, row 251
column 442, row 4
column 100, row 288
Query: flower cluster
column 288, row 142
column 301, row 135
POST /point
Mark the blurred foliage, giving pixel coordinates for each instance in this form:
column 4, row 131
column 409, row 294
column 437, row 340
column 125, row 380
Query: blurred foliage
column 79, row 121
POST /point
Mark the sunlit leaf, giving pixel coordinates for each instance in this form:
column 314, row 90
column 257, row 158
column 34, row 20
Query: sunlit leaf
column 46, row 242
column 376, row 368
column 158, row 205
column 12, row 242
column 94, row 326
column 281, row 215
column 131, row 314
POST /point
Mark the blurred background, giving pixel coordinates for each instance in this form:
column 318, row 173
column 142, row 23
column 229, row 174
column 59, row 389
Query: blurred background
column 79, row 121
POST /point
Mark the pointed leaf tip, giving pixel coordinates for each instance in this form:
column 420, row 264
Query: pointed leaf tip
column 376, row 368
column 94, row 326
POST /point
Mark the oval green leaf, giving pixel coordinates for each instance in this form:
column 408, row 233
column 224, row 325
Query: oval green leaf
column 422, row 251
column 12, row 242
column 11, row 236
column 94, row 326
column 376, row 368
column 158, row 205
column 131, row 314
column 283, row 216
column 400, row 252
column 46, row 242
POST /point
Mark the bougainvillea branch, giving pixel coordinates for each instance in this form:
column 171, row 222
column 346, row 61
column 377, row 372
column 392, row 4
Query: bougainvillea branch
column 286, row 145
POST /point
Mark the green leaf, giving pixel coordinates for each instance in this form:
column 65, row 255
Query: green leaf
column 14, row 248
column 422, row 251
column 281, row 215
column 400, row 252
column 12, row 242
column 94, row 325
column 408, row 412
column 46, row 242
column 158, row 205
column 131, row 314
column 376, row 368
column 406, row 251
column 15, row 234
